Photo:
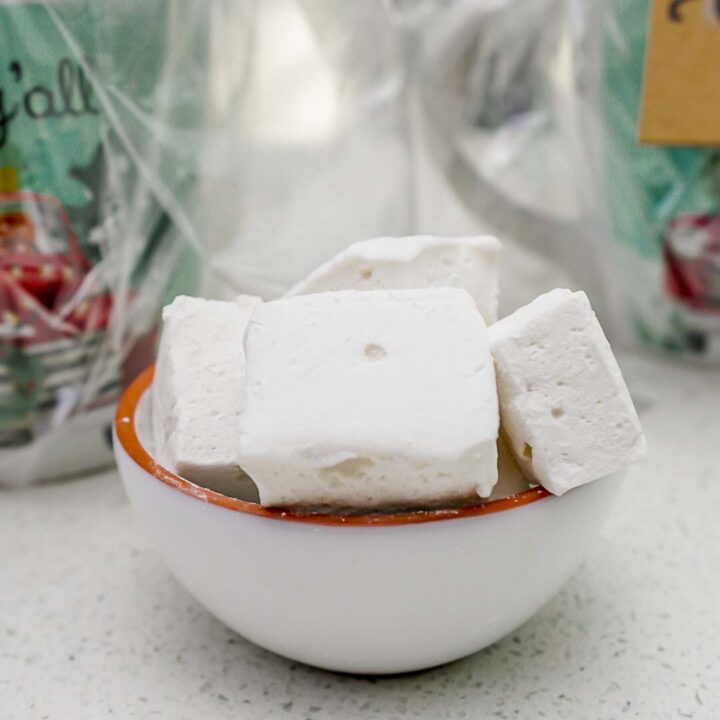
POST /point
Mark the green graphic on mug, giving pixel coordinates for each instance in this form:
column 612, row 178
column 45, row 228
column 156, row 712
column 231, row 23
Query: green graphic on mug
column 665, row 208
column 69, row 192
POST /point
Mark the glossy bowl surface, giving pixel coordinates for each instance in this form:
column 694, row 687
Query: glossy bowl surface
column 376, row 593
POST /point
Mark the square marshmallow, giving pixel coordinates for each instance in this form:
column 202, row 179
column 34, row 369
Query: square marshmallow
column 565, row 409
column 397, row 263
column 197, row 389
column 369, row 399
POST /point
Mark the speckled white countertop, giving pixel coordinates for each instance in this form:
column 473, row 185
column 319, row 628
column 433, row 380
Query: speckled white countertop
column 92, row 625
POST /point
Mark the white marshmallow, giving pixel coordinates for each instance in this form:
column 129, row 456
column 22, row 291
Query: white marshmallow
column 197, row 390
column 369, row 399
column 396, row 263
column 565, row 408
column 511, row 480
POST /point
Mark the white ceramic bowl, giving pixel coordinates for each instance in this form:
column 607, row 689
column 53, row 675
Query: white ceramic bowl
column 375, row 594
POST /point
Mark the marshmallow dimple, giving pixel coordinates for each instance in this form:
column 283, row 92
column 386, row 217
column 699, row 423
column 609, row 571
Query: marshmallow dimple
column 198, row 389
column 369, row 399
column 565, row 408
column 396, row 263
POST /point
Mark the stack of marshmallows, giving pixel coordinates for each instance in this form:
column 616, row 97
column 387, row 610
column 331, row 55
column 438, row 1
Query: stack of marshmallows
column 384, row 380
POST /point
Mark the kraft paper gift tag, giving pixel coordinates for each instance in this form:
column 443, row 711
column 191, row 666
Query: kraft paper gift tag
column 681, row 92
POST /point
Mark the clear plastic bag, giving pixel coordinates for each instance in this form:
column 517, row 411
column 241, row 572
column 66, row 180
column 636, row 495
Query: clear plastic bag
column 662, row 206
column 531, row 110
column 152, row 147
column 93, row 231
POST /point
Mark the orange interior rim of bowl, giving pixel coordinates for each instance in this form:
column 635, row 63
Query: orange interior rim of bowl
column 128, row 438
